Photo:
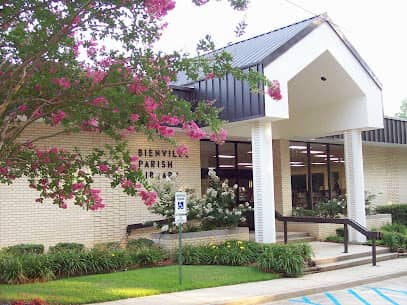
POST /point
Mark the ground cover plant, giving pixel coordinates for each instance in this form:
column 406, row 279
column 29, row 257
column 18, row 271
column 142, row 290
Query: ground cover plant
column 134, row 283
column 288, row 260
column 70, row 259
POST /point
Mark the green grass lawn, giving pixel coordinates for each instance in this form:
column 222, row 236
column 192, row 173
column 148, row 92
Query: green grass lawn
column 135, row 283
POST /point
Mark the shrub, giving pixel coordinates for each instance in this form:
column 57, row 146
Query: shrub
column 198, row 255
column 218, row 205
column 334, row 239
column 108, row 246
column 67, row 263
column 331, row 208
column 395, row 241
column 11, row 270
column 66, row 247
column 22, row 249
column 398, row 212
column 164, row 206
column 395, row 227
column 285, row 259
column 37, row 267
column 340, row 232
column 139, row 243
column 146, row 256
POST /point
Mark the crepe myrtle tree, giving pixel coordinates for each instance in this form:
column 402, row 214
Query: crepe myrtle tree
column 89, row 66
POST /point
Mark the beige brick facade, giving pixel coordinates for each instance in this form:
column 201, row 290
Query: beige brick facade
column 385, row 170
column 24, row 221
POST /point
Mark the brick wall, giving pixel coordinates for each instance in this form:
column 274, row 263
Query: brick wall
column 24, row 221
column 385, row 170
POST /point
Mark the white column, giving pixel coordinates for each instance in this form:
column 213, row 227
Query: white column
column 355, row 183
column 263, row 182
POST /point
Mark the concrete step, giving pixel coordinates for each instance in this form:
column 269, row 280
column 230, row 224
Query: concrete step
column 348, row 256
column 280, row 235
column 350, row 262
column 291, row 240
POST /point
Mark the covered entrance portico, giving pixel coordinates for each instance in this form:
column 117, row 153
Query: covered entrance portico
column 327, row 90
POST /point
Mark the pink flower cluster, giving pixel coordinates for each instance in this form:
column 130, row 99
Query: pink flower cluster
column 58, row 117
column 193, row 130
column 182, row 150
column 62, row 82
column 137, row 86
column 104, row 168
column 220, row 137
column 100, row 100
column 149, row 104
column 149, row 197
column 274, row 90
column 170, row 120
column 97, row 200
column 159, row 8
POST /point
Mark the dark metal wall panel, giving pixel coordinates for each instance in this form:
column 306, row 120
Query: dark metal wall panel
column 233, row 96
column 394, row 132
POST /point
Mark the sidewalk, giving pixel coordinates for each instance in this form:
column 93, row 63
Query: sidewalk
column 267, row 291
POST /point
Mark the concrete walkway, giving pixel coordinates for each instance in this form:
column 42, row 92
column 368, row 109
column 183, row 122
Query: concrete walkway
column 267, row 291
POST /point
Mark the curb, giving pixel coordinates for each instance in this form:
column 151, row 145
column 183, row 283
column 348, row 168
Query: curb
column 281, row 296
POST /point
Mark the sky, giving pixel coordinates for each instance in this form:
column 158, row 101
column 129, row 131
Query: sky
column 376, row 28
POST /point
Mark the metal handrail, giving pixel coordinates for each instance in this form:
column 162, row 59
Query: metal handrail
column 344, row 221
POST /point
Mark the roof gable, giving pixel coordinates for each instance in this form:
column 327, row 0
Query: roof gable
column 265, row 48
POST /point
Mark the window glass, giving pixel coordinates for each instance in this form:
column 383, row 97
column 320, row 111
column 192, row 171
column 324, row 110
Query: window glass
column 337, row 165
column 299, row 180
column 208, row 154
column 244, row 156
column 227, row 157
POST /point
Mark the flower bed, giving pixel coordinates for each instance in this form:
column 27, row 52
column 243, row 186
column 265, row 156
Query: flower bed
column 169, row 242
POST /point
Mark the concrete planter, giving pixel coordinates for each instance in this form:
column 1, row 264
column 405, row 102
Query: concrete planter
column 322, row 230
column 169, row 242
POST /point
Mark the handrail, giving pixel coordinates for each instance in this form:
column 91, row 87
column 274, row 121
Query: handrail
column 344, row 221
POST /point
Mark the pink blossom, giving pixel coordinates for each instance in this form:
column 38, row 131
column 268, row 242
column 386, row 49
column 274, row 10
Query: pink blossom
column 96, row 76
column 37, row 87
column 134, row 117
column 62, row 82
column 210, row 75
column 58, row 117
column 103, row 168
column 37, row 113
column 220, row 137
column 76, row 20
column 100, row 100
column 149, row 104
column 134, row 167
column 274, row 90
column 166, row 131
column 3, row 171
column 22, row 108
column 115, row 110
column 170, row 120
column 78, row 186
column 159, row 8
column 137, row 86
column 194, row 131
column 63, row 205
column 134, row 158
column 149, row 198
column 182, row 150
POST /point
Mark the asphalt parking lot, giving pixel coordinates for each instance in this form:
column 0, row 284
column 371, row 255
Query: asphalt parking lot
column 388, row 292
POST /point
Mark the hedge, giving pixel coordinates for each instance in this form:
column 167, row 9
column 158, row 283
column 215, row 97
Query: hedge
column 398, row 212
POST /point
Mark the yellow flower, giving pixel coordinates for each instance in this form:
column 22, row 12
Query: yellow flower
column 113, row 254
column 241, row 248
column 228, row 246
column 213, row 247
column 239, row 242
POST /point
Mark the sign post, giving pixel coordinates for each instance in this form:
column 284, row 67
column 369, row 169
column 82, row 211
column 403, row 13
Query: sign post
column 180, row 213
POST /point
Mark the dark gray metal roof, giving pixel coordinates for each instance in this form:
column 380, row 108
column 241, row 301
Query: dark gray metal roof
column 263, row 49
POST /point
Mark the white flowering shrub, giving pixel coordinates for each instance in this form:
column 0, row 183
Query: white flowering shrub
column 219, row 205
column 164, row 205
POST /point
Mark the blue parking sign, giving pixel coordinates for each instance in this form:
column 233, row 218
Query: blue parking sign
column 180, row 203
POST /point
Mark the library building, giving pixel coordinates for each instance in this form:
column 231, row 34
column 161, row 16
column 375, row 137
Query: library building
column 326, row 138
